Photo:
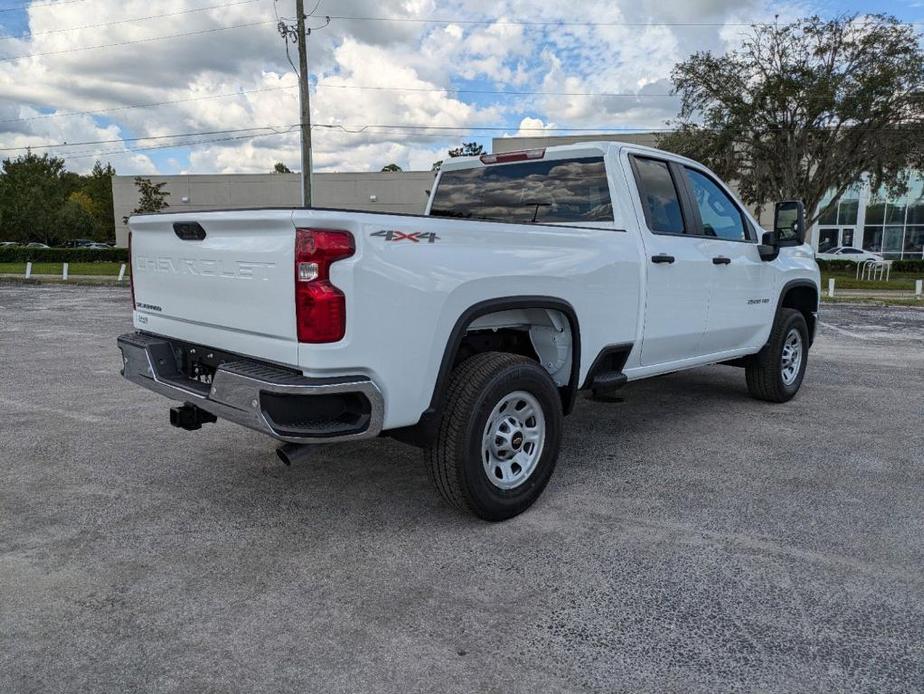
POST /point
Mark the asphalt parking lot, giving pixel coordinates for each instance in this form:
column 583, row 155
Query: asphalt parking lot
column 691, row 538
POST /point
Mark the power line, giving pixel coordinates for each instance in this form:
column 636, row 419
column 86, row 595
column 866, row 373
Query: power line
column 352, row 130
column 45, row 116
column 505, row 22
column 234, row 138
column 195, row 143
column 488, row 91
column 127, row 43
column 435, row 90
column 127, row 21
column 30, row 5
column 359, row 129
column 138, row 139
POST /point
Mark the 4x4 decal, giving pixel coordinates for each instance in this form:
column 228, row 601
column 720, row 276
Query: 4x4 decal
column 414, row 236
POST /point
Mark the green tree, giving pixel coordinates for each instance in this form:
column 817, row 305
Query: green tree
column 466, row 149
column 98, row 187
column 74, row 220
column 807, row 107
column 151, row 197
column 391, row 168
column 33, row 189
column 281, row 168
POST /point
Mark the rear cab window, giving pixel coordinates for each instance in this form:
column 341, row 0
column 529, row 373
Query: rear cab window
column 555, row 191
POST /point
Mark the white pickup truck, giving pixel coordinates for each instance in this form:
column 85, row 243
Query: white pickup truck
column 469, row 330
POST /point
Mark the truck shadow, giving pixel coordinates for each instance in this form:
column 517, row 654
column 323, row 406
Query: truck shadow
column 386, row 482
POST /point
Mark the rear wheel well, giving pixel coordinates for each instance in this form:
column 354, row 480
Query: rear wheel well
column 544, row 329
column 541, row 334
column 803, row 298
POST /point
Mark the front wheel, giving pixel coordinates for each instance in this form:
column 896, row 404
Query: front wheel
column 776, row 372
column 499, row 436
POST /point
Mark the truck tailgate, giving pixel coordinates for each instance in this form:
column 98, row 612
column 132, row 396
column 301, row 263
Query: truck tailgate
column 220, row 279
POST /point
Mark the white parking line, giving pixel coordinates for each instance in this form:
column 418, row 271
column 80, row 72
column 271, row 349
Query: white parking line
column 846, row 332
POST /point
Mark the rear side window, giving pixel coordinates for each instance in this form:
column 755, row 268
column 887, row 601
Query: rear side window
column 659, row 195
column 555, row 191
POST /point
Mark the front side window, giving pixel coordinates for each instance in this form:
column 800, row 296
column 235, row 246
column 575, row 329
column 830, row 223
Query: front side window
column 545, row 192
column 720, row 216
column 659, row 196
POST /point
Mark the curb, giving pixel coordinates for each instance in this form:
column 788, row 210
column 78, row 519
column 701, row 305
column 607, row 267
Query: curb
column 73, row 281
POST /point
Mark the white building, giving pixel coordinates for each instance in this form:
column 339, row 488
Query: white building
column 875, row 222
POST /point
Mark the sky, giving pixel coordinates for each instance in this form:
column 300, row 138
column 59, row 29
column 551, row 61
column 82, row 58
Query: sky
column 205, row 86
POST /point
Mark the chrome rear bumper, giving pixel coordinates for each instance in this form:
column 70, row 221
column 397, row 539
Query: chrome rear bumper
column 249, row 393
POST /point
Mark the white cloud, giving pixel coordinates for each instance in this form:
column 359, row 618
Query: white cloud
column 414, row 66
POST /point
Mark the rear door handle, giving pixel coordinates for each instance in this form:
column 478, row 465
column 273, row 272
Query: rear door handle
column 662, row 258
column 721, row 260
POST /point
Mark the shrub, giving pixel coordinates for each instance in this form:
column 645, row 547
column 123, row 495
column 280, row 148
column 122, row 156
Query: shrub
column 908, row 266
column 20, row 254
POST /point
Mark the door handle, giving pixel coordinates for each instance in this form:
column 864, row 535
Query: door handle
column 662, row 258
column 721, row 260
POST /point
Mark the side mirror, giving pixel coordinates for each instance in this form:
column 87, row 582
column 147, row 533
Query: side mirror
column 789, row 223
column 769, row 247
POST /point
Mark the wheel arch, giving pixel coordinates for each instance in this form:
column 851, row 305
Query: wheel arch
column 425, row 429
column 802, row 295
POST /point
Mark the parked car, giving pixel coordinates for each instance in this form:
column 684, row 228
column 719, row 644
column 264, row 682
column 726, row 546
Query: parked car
column 848, row 253
column 8, row 244
column 469, row 330
column 96, row 246
column 36, row 244
column 79, row 243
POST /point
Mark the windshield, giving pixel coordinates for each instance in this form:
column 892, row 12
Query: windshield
column 556, row 191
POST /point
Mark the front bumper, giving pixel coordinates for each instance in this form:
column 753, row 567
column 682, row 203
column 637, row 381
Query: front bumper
column 281, row 403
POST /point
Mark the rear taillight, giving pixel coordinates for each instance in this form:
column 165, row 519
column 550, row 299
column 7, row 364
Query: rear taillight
column 320, row 307
column 131, row 274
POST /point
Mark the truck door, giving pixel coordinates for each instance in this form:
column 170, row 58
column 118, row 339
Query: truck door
column 678, row 267
column 740, row 304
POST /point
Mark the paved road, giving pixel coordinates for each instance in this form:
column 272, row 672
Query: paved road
column 692, row 539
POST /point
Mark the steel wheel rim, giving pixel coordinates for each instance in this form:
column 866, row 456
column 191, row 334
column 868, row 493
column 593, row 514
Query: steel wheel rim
column 791, row 358
column 513, row 439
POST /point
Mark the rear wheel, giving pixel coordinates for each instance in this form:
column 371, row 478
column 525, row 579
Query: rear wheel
column 776, row 372
column 499, row 436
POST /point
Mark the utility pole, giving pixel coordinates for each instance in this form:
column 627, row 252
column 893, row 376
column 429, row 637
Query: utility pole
column 304, row 100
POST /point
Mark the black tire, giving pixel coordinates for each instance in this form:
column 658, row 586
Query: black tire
column 765, row 372
column 454, row 460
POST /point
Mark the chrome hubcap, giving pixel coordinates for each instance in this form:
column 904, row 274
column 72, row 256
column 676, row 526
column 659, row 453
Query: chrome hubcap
column 791, row 359
column 513, row 439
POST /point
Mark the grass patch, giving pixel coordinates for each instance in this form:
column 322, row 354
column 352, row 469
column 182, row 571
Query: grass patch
column 906, row 301
column 107, row 269
column 848, row 280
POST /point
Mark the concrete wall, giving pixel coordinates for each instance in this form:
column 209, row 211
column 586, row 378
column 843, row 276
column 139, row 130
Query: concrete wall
column 402, row 192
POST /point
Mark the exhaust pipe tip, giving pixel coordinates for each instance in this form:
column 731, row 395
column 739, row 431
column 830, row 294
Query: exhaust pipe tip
column 290, row 453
